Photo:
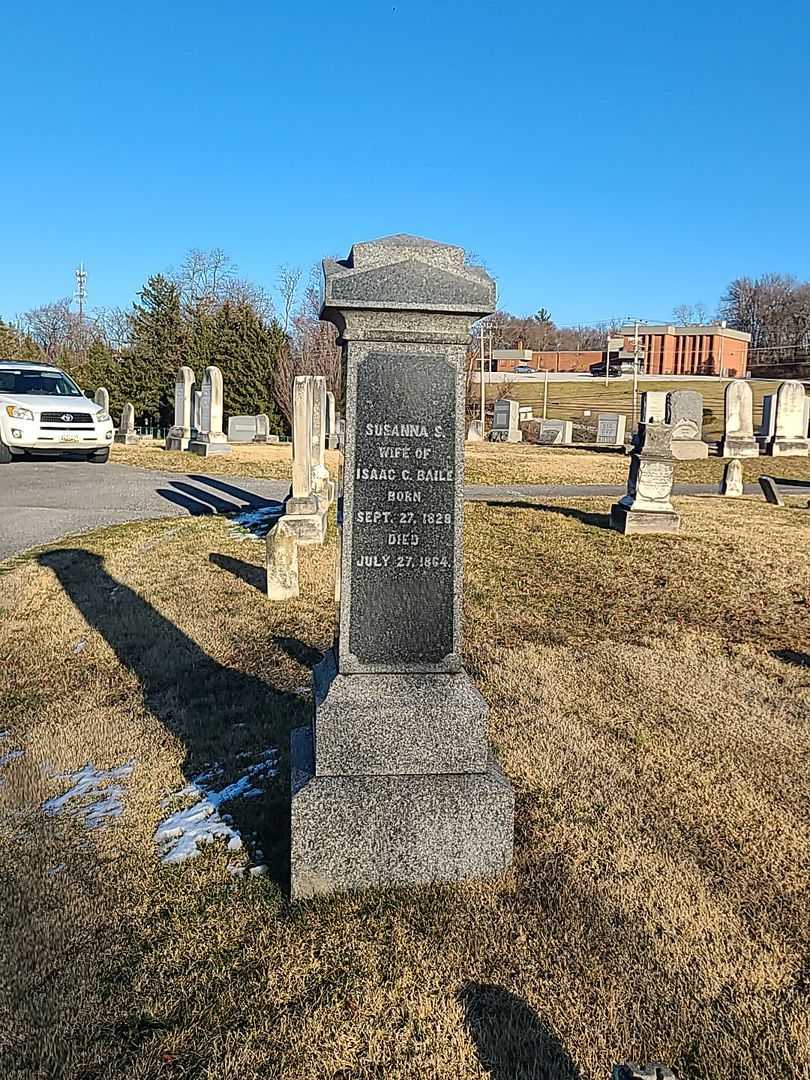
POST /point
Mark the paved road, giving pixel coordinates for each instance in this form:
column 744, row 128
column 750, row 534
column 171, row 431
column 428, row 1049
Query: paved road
column 41, row 501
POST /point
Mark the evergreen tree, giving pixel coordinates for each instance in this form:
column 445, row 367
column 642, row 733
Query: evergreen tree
column 247, row 349
column 158, row 337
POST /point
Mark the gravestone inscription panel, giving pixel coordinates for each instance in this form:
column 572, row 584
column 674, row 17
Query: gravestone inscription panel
column 403, row 510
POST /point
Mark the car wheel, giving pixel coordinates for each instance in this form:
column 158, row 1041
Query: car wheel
column 6, row 456
column 99, row 457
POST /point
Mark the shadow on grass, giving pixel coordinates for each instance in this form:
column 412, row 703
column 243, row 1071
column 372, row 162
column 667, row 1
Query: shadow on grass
column 255, row 576
column 600, row 521
column 511, row 1040
column 222, row 716
column 788, row 656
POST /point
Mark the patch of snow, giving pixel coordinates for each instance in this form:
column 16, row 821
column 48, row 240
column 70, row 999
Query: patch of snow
column 56, row 869
column 255, row 524
column 179, row 837
column 4, row 734
column 79, row 646
column 12, row 755
column 94, row 795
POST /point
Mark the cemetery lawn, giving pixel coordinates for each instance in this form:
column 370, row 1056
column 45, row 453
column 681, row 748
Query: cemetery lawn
column 650, row 701
column 484, row 463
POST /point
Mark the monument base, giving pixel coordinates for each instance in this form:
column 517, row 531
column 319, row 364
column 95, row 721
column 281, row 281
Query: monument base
column 307, row 528
column 126, row 438
column 208, row 449
column 282, row 563
column 632, row 522
column 789, row 448
column 332, row 442
column 689, row 449
column 360, row 832
column 731, row 448
column 379, row 724
column 176, row 442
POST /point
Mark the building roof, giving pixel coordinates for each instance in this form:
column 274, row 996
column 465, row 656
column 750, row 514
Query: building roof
column 719, row 329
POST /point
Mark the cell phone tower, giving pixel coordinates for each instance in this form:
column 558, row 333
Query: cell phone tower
column 80, row 295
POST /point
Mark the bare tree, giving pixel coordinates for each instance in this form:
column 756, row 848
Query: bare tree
column 204, row 278
column 56, row 329
column 690, row 314
column 289, row 278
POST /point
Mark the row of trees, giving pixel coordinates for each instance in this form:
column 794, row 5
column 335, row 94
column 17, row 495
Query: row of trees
column 201, row 314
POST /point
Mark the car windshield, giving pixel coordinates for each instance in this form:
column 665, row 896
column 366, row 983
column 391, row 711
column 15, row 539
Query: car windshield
column 31, row 381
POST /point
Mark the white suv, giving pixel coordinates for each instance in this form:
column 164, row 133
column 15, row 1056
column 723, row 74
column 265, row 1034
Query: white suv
column 42, row 410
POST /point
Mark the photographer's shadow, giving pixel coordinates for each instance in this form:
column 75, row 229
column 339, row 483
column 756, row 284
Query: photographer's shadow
column 223, row 717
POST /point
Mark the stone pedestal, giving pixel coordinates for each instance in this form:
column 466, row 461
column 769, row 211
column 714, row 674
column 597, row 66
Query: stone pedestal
column 210, row 440
column 179, row 434
column 126, row 434
column 305, row 512
column 646, row 508
column 398, row 786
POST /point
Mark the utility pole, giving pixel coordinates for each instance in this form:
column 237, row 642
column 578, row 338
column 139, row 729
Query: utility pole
column 635, row 375
column 483, row 391
column 545, row 393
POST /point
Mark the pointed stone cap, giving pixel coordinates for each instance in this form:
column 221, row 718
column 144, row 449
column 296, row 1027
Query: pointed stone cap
column 406, row 273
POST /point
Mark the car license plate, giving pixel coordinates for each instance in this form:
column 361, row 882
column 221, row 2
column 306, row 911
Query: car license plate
column 70, row 438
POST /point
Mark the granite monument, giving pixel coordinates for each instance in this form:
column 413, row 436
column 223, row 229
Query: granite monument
column 647, row 506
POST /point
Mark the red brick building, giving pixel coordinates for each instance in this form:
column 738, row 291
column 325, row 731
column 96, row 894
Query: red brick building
column 665, row 350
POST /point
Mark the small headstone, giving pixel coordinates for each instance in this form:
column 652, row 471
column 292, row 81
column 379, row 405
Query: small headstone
column 654, row 407
column 771, row 491
column 211, row 439
column 732, row 483
column 241, row 429
column 738, row 437
column 525, row 413
column 646, row 508
column 395, row 785
column 790, row 435
column 505, row 421
column 653, row 1071
column 475, row 432
column 610, row 429
column 686, row 419
column 102, row 398
column 282, row 562
column 549, row 432
column 126, row 429
column 262, row 428
column 179, row 435
column 331, row 422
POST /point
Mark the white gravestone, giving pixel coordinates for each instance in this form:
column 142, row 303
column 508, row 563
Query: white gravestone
column 647, row 506
column 732, row 483
column 790, row 437
column 610, row 429
column 686, row 418
column 738, row 407
column 126, row 429
column 331, row 422
column 304, row 513
column 653, row 407
column 179, row 435
column 262, row 428
column 321, row 484
column 241, row 429
column 102, row 398
column 505, row 421
column 211, row 439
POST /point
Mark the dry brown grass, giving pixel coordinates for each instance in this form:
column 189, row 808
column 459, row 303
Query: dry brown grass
column 272, row 462
column 650, row 700
column 525, row 463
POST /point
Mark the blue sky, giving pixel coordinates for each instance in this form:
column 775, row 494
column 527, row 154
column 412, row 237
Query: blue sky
column 602, row 159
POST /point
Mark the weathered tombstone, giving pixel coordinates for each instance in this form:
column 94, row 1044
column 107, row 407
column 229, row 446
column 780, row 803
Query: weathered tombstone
column 241, row 429
column 738, row 437
column 549, row 432
column 732, row 482
column 686, row 418
column 646, row 508
column 525, row 414
column 321, row 484
column 653, row 407
column 304, row 513
column 282, row 562
column 210, row 439
column 790, row 437
column 196, row 410
column 475, row 432
column 262, row 428
column 102, row 398
column 179, row 435
column 610, row 429
column 506, row 421
column 771, row 491
column 331, row 422
column 126, row 429
column 398, row 786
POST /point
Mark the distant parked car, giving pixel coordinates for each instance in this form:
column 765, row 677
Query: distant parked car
column 42, row 410
column 614, row 370
column 524, row 369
